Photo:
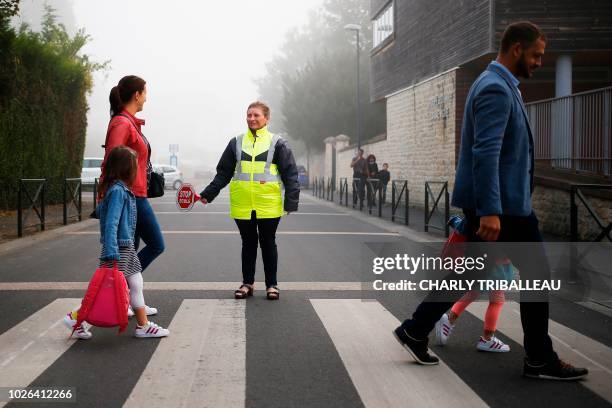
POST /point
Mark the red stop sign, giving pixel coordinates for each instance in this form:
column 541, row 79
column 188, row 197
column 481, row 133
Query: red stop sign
column 185, row 197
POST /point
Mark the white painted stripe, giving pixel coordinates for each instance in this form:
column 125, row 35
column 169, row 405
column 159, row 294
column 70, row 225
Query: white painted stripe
column 597, row 307
column 575, row 347
column 381, row 370
column 28, row 348
column 227, row 213
column 235, row 232
column 310, row 286
column 222, row 203
column 201, row 363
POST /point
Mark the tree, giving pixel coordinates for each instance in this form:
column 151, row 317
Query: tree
column 44, row 82
column 311, row 82
column 8, row 8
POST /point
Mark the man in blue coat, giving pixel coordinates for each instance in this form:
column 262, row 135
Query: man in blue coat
column 493, row 186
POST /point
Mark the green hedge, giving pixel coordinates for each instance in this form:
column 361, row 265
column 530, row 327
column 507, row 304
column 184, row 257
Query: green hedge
column 43, row 106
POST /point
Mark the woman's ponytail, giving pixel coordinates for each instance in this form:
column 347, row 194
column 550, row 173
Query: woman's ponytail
column 116, row 105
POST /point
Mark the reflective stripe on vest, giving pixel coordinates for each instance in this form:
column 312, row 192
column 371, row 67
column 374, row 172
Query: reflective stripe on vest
column 265, row 176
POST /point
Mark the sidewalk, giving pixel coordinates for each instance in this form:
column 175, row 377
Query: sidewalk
column 592, row 291
column 54, row 218
column 416, row 215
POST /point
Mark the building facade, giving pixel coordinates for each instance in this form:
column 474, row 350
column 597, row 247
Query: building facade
column 427, row 54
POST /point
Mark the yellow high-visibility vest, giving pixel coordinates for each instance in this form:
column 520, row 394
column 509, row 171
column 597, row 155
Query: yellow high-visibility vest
column 256, row 184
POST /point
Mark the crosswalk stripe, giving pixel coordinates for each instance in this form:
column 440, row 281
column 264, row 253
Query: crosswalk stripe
column 577, row 348
column 28, row 348
column 236, row 232
column 201, row 363
column 227, row 213
column 213, row 286
column 381, row 370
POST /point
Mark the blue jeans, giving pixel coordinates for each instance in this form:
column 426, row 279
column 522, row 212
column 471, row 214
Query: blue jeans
column 148, row 229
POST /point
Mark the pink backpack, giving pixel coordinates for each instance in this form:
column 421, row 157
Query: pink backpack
column 106, row 301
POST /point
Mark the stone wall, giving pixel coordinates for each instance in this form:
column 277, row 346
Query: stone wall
column 552, row 206
column 420, row 143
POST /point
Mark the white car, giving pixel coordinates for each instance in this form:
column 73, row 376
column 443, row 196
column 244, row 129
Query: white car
column 172, row 176
column 92, row 169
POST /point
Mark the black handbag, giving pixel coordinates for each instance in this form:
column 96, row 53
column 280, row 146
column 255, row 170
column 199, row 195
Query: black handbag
column 155, row 185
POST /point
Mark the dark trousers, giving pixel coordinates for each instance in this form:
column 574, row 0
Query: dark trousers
column 531, row 263
column 263, row 231
column 372, row 188
column 383, row 187
column 147, row 229
column 359, row 181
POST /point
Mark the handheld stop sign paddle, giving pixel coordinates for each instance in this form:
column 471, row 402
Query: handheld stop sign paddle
column 186, row 197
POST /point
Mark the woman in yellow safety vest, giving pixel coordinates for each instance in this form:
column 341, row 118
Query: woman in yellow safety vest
column 255, row 165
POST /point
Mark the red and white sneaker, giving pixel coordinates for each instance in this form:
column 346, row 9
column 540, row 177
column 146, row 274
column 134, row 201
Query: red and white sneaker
column 151, row 311
column 150, row 330
column 444, row 328
column 494, row 345
column 81, row 332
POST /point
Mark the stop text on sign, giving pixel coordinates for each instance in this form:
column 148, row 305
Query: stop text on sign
column 185, row 197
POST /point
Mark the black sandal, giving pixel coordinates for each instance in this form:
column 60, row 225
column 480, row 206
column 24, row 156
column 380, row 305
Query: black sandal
column 242, row 294
column 272, row 293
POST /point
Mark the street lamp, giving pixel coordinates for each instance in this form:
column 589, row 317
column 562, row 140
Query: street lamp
column 357, row 28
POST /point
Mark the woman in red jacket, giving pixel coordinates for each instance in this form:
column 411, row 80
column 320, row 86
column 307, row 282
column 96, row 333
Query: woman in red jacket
column 126, row 99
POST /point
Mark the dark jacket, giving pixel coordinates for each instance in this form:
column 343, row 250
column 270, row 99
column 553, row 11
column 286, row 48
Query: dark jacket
column 373, row 170
column 284, row 160
column 495, row 170
column 384, row 176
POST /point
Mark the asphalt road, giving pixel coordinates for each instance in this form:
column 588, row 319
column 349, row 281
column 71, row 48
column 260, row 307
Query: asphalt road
column 325, row 343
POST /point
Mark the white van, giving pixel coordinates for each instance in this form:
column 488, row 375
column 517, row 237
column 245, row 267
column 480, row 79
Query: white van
column 92, row 169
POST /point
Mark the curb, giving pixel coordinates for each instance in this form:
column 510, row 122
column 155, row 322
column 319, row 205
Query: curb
column 404, row 231
column 37, row 238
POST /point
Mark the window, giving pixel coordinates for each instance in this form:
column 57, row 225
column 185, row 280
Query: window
column 92, row 163
column 383, row 25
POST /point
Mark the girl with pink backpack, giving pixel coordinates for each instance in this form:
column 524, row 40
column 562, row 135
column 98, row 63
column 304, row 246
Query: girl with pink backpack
column 105, row 302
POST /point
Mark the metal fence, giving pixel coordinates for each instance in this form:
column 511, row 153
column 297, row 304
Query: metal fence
column 574, row 132
column 32, row 192
column 73, row 197
column 577, row 196
column 430, row 211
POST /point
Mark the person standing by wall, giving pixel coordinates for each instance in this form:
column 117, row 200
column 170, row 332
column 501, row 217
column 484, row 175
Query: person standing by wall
column 383, row 178
column 360, row 174
column 372, row 174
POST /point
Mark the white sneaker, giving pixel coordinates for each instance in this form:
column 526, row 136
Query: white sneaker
column 151, row 330
column 151, row 311
column 444, row 328
column 494, row 345
column 82, row 332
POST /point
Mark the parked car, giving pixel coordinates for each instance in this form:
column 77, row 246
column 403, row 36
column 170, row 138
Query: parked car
column 92, row 169
column 303, row 176
column 172, row 175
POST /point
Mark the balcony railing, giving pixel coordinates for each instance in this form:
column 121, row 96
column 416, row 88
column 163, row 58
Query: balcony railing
column 574, row 132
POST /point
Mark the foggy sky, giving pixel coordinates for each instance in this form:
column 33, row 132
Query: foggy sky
column 199, row 58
